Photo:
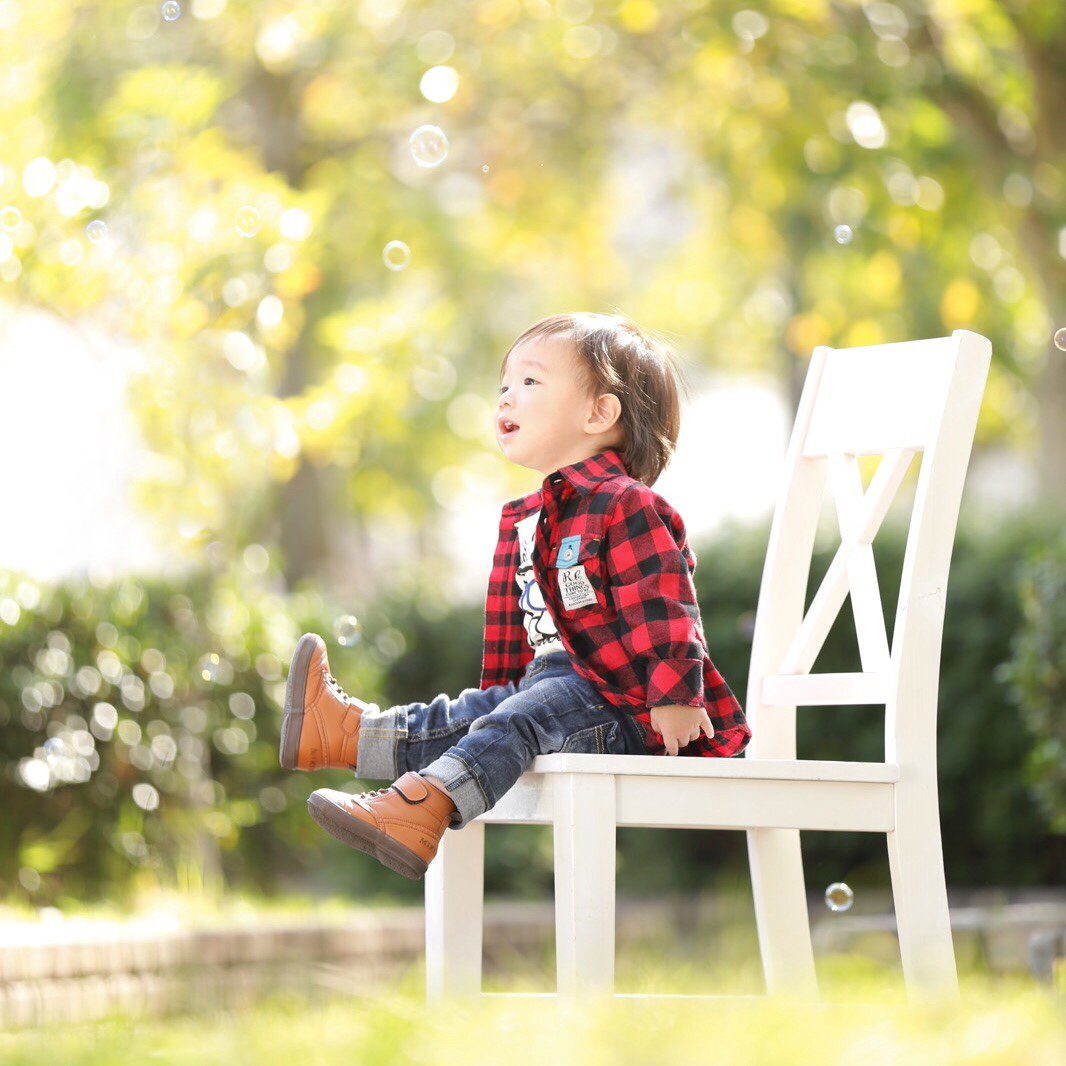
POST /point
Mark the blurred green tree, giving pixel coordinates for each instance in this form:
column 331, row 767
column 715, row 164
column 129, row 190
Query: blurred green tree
column 690, row 164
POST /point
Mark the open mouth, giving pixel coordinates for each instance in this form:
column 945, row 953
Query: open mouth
column 508, row 428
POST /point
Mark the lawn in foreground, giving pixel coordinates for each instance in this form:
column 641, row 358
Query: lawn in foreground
column 865, row 1019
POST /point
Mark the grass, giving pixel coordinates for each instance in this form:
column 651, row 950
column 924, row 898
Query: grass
column 865, row 1019
column 201, row 910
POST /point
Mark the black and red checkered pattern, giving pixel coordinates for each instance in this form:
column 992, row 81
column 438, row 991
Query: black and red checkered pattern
column 641, row 643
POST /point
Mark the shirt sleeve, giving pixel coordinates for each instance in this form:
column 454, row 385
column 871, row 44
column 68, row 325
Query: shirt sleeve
column 649, row 569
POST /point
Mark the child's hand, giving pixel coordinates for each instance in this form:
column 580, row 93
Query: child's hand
column 680, row 725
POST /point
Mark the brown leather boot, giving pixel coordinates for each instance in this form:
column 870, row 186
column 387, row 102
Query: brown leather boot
column 320, row 729
column 400, row 826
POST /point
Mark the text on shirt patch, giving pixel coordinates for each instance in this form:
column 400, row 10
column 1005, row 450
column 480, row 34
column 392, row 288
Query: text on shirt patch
column 575, row 586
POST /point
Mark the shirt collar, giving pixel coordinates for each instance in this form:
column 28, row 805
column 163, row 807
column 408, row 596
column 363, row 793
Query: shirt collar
column 583, row 475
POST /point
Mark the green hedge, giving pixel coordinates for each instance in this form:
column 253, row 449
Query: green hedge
column 74, row 656
column 1036, row 674
column 78, row 658
column 995, row 830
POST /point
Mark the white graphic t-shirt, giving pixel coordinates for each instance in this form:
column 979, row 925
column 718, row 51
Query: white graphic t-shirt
column 540, row 626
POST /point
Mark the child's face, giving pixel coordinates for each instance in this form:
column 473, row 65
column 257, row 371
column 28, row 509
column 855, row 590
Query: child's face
column 558, row 425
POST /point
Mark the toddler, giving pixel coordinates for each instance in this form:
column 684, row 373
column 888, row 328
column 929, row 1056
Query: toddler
column 593, row 641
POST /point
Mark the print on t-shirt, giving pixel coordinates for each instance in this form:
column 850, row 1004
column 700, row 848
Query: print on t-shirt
column 540, row 626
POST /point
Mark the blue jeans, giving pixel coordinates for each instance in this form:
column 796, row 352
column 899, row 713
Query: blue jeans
column 479, row 744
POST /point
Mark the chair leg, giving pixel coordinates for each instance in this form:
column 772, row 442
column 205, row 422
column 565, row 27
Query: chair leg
column 585, row 829
column 781, row 911
column 455, row 898
column 920, row 897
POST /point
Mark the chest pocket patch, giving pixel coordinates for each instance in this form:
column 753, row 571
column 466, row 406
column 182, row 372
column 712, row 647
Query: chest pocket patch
column 568, row 551
column 580, row 571
column 575, row 587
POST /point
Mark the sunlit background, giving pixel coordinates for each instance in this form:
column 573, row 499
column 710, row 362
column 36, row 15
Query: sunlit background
column 259, row 264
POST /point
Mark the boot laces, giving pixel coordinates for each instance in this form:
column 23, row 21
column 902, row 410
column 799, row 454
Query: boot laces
column 336, row 686
column 376, row 792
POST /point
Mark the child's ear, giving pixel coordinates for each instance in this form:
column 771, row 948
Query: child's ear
column 606, row 411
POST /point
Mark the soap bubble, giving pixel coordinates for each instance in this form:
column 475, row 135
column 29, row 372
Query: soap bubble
column 429, row 146
column 209, row 666
column 96, row 230
column 171, row 10
column 1060, row 338
column 248, row 221
column 347, row 629
column 842, row 234
column 10, row 217
column 838, row 897
column 396, row 255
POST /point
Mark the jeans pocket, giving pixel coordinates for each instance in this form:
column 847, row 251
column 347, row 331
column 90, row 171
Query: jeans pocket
column 588, row 741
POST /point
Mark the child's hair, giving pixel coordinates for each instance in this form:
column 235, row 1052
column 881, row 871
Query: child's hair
column 614, row 355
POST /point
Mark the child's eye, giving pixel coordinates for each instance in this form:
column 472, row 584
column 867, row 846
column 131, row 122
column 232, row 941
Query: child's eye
column 524, row 380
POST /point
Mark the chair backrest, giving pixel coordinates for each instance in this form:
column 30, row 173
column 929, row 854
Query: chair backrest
column 894, row 400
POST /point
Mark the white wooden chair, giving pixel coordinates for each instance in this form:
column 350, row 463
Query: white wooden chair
column 890, row 399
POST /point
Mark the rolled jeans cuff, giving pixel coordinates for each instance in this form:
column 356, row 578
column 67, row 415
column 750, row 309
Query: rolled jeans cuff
column 464, row 788
column 380, row 733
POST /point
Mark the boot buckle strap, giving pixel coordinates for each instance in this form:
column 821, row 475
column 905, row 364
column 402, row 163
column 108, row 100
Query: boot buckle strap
column 411, row 787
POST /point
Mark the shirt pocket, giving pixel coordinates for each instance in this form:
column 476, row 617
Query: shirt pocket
column 582, row 586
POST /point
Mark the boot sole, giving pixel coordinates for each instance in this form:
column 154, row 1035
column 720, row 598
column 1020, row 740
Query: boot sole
column 365, row 838
column 295, row 690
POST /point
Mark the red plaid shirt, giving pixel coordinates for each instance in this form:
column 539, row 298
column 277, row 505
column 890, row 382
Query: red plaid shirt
column 641, row 643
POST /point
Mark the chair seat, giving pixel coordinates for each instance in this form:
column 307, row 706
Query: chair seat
column 707, row 793
column 704, row 767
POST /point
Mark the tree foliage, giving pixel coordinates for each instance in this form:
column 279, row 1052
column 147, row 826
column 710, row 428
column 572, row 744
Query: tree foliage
column 688, row 164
